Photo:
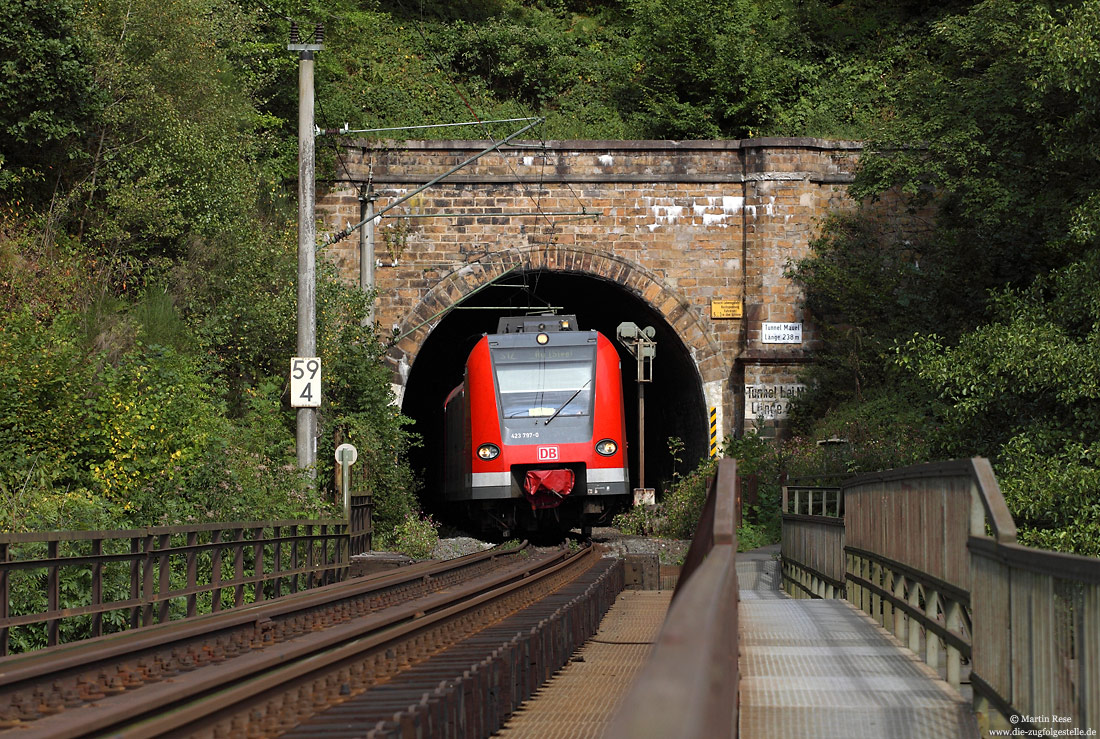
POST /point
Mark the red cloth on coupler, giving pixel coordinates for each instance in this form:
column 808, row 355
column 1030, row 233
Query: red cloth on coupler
column 547, row 488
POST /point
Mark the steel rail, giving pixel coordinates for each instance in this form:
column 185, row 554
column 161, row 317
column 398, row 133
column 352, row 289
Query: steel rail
column 242, row 694
column 206, row 689
column 65, row 680
column 45, row 663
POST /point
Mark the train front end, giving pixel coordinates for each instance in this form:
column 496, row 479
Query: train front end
column 543, row 436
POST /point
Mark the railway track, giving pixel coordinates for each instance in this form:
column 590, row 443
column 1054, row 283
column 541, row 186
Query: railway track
column 438, row 649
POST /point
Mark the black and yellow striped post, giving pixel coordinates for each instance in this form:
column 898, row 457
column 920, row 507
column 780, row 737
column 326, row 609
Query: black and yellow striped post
column 713, row 432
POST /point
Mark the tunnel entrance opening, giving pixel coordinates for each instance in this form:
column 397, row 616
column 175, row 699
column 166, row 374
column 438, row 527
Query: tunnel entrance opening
column 674, row 405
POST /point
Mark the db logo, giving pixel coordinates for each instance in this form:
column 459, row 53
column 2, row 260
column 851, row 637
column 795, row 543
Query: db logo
column 548, row 454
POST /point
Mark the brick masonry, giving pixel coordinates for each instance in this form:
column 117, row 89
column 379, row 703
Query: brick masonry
column 676, row 223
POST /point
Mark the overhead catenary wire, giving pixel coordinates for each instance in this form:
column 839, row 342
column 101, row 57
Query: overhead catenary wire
column 344, row 233
column 553, row 220
column 345, row 130
column 361, row 190
column 503, row 214
column 537, row 199
column 542, row 145
column 365, row 192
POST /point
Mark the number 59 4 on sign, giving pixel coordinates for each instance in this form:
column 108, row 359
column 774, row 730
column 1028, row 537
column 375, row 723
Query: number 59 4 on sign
column 305, row 382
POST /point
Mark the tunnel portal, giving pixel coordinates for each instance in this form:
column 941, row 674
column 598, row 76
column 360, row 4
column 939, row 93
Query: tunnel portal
column 674, row 401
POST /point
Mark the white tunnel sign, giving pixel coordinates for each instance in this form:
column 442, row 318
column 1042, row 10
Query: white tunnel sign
column 768, row 402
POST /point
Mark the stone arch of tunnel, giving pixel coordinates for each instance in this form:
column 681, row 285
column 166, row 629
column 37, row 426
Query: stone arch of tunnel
column 602, row 292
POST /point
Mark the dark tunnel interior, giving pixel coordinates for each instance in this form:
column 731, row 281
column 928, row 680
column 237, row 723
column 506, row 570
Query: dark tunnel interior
column 674, row 405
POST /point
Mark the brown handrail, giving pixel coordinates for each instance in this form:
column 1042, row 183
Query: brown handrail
column 931, row 554
column 689, row 686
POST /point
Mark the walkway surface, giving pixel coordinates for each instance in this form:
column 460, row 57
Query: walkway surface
column 822, row 668
column 580, row 699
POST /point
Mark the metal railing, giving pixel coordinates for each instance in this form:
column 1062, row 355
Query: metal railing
column 362, row 526
column 64, row 586
column 812, row 545
column 689, row 686
column 930, row 552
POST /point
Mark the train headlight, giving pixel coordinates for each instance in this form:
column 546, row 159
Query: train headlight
column 607, row 447
column 542, row 338
column 488, row 451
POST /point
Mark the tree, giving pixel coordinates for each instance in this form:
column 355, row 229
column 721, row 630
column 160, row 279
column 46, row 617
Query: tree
column 48, row 92
column 994, row 308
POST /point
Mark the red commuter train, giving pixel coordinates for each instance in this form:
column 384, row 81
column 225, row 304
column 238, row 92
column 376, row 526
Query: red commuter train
column 535, row 437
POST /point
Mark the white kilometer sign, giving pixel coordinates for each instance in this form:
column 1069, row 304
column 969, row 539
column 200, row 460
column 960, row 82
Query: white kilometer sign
column 305, row 382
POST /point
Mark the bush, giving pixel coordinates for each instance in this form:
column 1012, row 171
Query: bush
column 637, row 521
column 359, row 404
column 414, row 536
column 678, row 513
column 768, row 462
column 752, row 536
column 683, row 503
column 86, row 443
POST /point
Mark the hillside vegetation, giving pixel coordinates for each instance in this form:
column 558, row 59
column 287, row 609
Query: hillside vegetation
column 147, row 236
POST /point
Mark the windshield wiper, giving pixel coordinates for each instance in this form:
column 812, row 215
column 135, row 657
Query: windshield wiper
column 562, row 406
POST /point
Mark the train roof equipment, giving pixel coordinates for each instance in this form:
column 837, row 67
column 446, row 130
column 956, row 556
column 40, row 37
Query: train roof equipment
column 536, row 324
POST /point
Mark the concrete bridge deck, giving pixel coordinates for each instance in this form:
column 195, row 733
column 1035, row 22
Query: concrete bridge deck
column 822, row 668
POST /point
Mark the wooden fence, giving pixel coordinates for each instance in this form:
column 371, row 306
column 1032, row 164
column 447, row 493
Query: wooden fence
column 930, row 552
column 907, row 565
column 813, row 541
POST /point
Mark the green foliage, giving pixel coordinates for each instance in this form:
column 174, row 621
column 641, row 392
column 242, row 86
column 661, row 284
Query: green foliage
column 358, row 403
column 884, row 430
column 978, row 335
column 763, row 462
column 643, row 69
column 413, row 535
column 706, row 69
column 91, row 444
column 637, row 521
column 385, row 76
column 48, row 93
column 239, row 298
column 154, row 401
column 1052, row 486
column 676, row 452
column 147, row 250
column 754, row 536
column 43, row 378
column 170, row 154
column 1024, row 389
column 1005, row 118
column 574, row 70
column 681, row 505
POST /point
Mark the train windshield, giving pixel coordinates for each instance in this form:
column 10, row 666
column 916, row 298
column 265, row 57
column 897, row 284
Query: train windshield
column 544, row 388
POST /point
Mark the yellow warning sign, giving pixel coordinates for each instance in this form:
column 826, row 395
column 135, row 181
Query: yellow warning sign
column 725, row 308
